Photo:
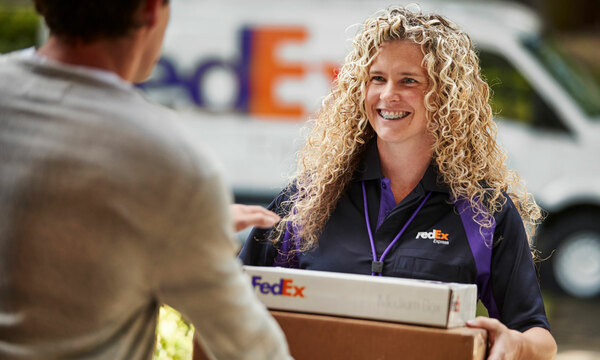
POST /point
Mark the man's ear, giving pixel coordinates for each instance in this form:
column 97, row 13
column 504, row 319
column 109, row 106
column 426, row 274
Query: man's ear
column 149, row 12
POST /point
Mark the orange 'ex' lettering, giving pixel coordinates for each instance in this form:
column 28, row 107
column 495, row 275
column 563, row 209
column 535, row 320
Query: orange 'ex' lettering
column 440, row 235
column 298, row 290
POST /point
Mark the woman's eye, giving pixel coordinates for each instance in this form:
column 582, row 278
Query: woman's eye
column 410, row 81
column 377, row 78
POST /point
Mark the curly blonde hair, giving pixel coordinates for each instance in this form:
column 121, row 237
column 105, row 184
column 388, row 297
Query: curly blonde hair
column 459, row 119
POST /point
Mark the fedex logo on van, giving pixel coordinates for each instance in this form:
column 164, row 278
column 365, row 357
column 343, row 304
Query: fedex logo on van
column 257, row 70
column 284, row 287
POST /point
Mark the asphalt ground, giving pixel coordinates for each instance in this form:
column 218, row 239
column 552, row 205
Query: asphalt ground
column 576, row 327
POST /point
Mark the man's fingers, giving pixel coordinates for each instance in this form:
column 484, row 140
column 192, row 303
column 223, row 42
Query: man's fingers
column 252, row 215
column 262, row 217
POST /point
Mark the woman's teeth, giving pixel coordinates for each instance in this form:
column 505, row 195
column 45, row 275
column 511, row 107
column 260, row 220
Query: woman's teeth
column 392, row 115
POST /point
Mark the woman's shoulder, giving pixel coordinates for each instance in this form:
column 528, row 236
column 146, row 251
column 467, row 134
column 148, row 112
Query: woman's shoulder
column 505, row 207
column 281, row 204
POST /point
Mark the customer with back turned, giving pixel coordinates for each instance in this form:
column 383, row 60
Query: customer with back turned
column 106, row 210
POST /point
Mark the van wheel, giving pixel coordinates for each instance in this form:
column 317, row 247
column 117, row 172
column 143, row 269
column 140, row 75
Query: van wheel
column 572, row 246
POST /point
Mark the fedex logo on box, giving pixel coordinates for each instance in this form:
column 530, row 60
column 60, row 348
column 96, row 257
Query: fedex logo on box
column 282, row 288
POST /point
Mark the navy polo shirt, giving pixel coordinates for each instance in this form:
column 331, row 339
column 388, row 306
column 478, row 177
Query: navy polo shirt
column 344, row 244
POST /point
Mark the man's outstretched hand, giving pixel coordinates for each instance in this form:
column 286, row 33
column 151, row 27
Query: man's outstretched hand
column 252, row 215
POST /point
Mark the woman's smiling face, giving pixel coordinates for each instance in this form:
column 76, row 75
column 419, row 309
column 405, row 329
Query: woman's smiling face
column 396, row 93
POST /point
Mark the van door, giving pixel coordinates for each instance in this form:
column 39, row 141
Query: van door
column 544, row 149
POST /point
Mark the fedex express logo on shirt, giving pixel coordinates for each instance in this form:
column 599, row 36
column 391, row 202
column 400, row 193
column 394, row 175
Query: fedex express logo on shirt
column 438, row 236
column 284, row 287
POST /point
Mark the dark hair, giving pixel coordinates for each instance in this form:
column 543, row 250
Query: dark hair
column 89, row 20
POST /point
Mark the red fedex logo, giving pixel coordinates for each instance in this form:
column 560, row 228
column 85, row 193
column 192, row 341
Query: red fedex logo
column 284, row 287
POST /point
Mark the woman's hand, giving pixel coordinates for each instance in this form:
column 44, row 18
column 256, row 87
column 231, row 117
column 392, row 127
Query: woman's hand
column 507, row 344
column 252, row 215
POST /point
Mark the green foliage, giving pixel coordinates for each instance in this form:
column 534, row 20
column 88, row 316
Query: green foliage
column 18, row 27
column 481, row 310
column 174, row 336
column 549, row 304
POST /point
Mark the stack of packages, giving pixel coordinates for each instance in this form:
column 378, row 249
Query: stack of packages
column 328, row 315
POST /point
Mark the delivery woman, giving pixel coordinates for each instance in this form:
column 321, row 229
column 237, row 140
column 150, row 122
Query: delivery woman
column 401, row 176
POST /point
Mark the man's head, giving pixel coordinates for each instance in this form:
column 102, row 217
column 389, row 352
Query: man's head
column 91, row 20
column 130, row 31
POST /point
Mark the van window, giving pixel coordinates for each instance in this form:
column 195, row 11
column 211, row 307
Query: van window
column 570, row 74
column 513, row 98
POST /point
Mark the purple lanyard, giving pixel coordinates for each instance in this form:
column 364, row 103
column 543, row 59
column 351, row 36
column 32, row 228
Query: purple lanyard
column 377, row 266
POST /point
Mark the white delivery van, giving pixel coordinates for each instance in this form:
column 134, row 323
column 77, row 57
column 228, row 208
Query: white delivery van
column 248, row 74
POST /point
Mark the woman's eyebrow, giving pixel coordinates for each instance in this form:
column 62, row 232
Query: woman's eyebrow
column 403, row 73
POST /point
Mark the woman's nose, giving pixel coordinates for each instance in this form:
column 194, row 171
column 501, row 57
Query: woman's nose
column 390, row 92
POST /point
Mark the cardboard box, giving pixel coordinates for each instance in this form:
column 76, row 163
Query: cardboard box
column 315, row 337
column 367, row 297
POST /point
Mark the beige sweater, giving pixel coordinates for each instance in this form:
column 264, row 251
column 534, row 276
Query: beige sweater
column 106, row 212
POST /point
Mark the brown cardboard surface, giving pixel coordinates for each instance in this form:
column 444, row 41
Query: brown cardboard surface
column 315, row 337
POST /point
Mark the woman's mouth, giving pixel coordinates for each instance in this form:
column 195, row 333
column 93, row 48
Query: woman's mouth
column 393, row 115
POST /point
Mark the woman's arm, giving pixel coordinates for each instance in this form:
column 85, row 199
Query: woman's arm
column 506, row 344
